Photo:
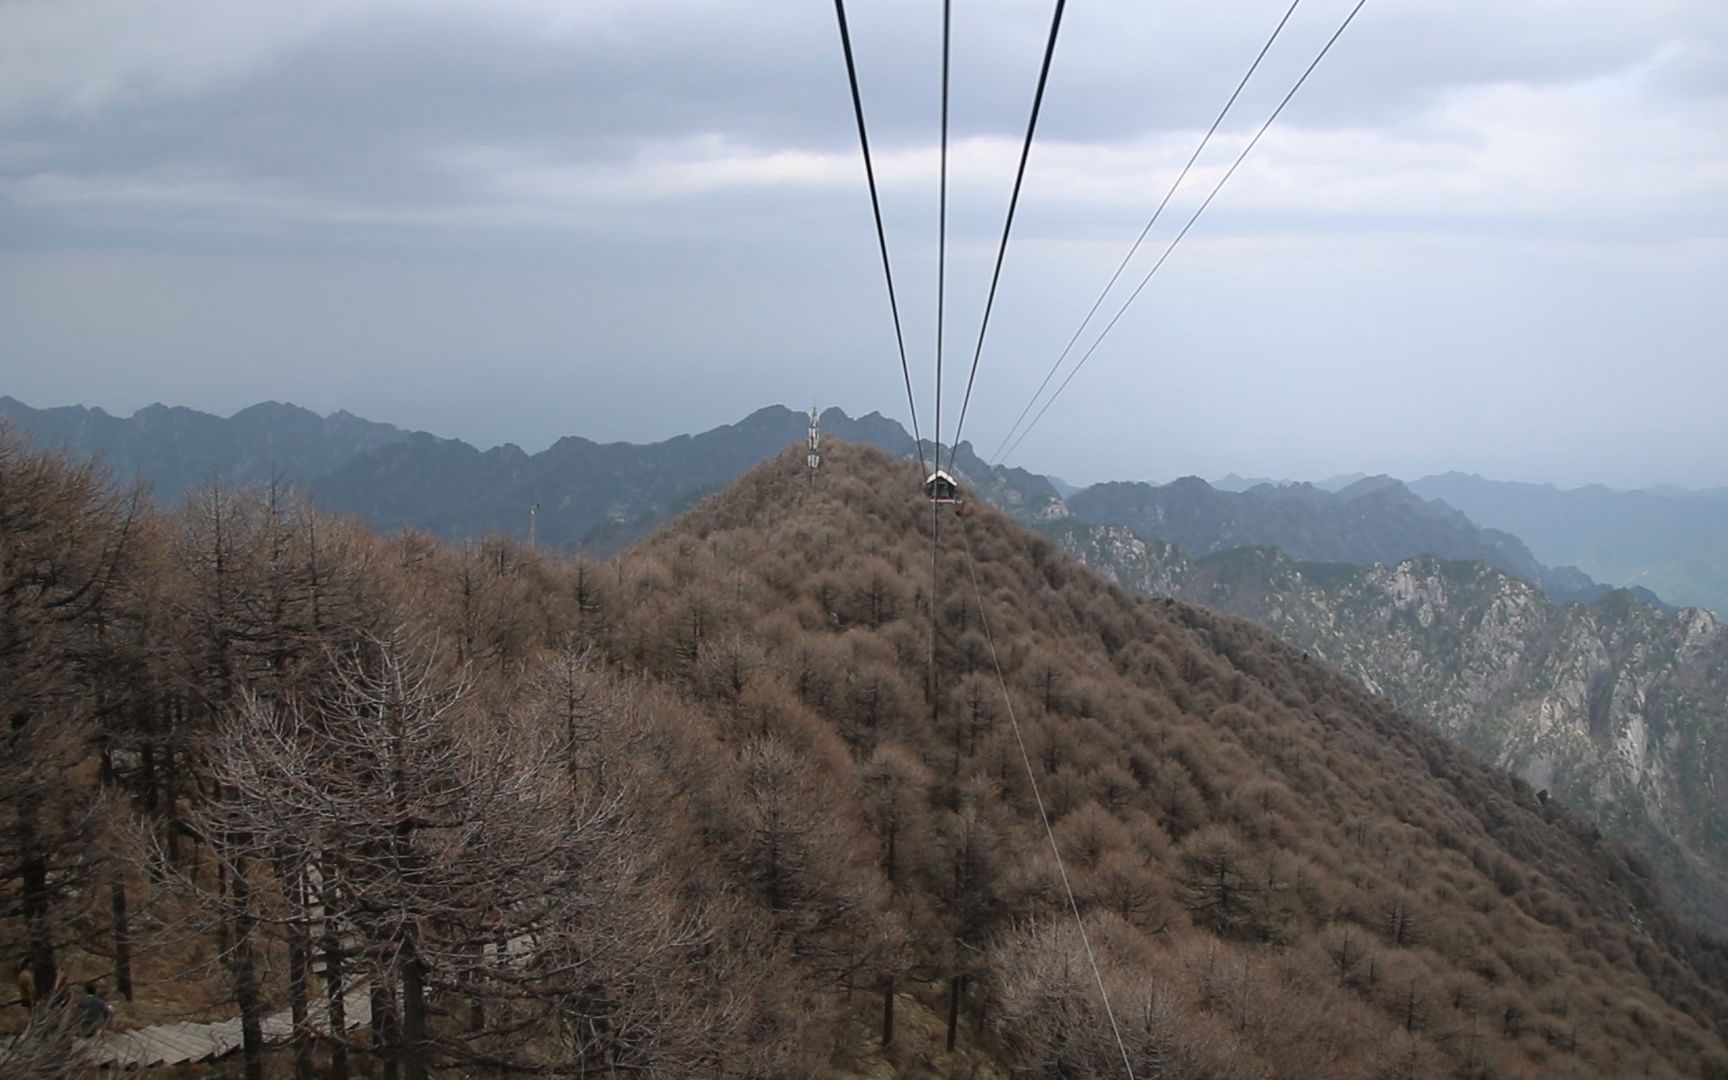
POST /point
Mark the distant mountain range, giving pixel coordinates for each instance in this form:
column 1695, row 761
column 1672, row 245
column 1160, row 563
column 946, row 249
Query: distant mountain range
column 175, row 449
column 603, row 496
column 1372, row 520
column 1233, row 482
column 1669, row 540
column 595, row 496
column 599, row 496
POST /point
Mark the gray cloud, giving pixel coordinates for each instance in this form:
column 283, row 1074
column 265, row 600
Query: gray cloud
column 517, row 219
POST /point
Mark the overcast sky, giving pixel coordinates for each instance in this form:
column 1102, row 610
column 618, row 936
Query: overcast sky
column 1488, row 234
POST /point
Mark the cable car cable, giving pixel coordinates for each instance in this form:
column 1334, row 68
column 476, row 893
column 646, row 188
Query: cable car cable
column 941, row 311
column 1007, row 226
column 1037, row 797
column 1141, row 239
column 1190, row 224
column 881, row 234
column 942, row 228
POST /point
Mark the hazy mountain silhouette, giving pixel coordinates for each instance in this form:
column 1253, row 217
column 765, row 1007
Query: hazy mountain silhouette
column 599, row 496
column 602, row 496
column 1372, row 520
column 1672, row 541
column 176, row 449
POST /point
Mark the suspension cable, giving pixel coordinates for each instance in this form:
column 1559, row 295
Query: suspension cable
column 1141, row 239
column 942, row 228
column 1336, row 34
column 881, row 234
column 941, row 311
column 1007, row 225
column 1037, row 796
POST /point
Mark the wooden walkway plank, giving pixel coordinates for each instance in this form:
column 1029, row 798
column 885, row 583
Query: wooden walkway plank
column 279, row 1026
column 122, row 1049
column 178, row 1043
column 225, row 1036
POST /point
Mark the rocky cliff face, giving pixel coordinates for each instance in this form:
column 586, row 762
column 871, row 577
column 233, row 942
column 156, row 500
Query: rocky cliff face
column 1616, row 706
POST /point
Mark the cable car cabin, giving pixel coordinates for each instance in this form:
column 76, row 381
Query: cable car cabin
column 941, row 488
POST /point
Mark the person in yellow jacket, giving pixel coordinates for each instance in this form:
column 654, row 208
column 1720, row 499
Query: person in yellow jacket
column 26, row 983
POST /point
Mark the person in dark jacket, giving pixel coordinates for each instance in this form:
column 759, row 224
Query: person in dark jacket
column 94, row 1014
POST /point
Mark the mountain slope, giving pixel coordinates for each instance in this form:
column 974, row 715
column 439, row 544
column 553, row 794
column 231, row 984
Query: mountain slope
column 177, row 449
column 1239, row 821
column 1671, row 542
column 1619, row 707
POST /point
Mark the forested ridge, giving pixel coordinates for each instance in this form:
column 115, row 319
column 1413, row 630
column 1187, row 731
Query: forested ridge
column 697, row 810
column 1617, row 707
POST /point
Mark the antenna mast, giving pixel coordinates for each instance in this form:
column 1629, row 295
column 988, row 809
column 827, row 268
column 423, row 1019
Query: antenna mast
column 814, row 458
column 533, row 520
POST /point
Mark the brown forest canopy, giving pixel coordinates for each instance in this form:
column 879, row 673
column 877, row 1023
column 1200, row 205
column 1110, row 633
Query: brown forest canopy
column 698, row 809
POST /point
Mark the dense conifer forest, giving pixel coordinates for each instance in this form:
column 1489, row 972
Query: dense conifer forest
column 708, row 808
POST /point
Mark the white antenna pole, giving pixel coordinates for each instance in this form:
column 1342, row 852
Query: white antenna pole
column 533, row 520
column 814, row 458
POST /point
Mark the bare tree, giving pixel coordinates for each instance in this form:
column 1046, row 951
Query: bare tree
column 458, row 856
column 68, row 541
column 48, row 1048
column 1050, row 1016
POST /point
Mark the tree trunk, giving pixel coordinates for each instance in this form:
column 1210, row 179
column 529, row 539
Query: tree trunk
column 33, row 869
column 477, row 1004
column 334, row 997
column 122, row 938
column 170, row 783
column 384, row 1028
column 147, row 772
column 299, row 954
column 955, row 985
column 117, row 895
column 888, row 1012
column 245, row 970
column 413, row 1015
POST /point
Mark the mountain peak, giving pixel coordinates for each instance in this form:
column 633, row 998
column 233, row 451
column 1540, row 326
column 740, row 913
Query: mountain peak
column 1189, row 485
column 1372, row 485
column 276, row 411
